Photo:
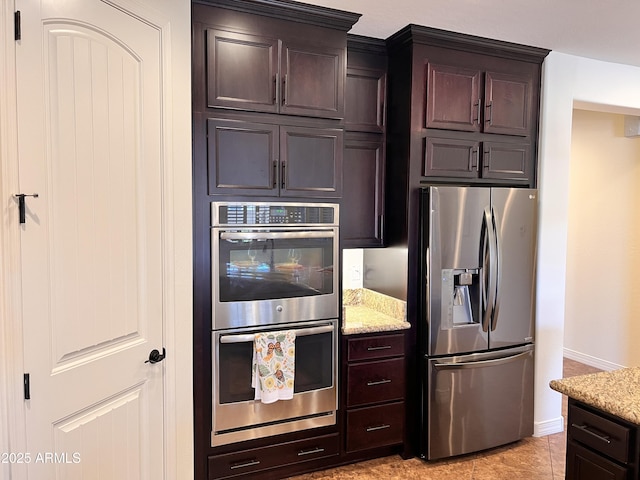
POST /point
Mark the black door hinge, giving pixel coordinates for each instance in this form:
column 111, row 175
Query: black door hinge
column 27, row 387
column 16, row 25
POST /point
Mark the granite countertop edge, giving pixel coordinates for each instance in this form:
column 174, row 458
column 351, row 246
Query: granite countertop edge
column 616, row 392
column 393, row 326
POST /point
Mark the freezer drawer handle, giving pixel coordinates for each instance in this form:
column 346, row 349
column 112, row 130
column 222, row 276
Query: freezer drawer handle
column 310, row 452
column 585, row 428
column 379, row 382
column 379, row 427
column 381, row 347
column 250, row 463
column 482, row 363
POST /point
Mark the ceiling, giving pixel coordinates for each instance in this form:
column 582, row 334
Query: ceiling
column 599, row 29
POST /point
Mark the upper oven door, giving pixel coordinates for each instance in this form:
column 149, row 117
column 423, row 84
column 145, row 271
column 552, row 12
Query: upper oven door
column 272, row 275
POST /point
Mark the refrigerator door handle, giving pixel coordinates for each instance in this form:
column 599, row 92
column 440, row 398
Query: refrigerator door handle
column 497, row 271
column 489, row 255
column 480, row 363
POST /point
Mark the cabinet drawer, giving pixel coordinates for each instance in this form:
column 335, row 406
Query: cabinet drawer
column 606, row 436
column 247, row 461
column 374, row 382
column 366, row 348
column 375, row 426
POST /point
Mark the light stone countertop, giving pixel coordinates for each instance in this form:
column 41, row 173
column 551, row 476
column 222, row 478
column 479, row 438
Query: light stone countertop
column 616, row 392
column 366, row 311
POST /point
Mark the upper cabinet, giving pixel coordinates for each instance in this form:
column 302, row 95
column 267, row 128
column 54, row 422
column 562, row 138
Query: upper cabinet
column 270, row 56
column 362, row 209
column 268, row 98
column 473, row 100
column 265, row 73
column 250, row 158
column 465, row 108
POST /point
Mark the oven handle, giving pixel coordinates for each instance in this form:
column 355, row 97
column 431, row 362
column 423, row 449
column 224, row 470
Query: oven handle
column 300, row 332
column 270, row 235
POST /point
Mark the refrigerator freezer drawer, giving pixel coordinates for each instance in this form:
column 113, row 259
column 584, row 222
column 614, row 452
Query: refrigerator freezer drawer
column 478, row 401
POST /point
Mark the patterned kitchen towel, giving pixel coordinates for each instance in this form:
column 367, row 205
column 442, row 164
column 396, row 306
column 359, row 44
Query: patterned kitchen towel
column 274, row 365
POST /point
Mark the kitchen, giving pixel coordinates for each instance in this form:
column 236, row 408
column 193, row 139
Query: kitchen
column 557, row 104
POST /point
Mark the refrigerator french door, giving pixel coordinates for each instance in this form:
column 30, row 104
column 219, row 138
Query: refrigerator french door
column 477, row 332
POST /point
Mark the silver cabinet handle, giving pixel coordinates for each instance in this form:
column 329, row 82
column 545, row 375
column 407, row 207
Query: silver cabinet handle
column 310, row 452
column 250, row 463
column 379, row 382
column 382, row 347
column 379, row 427
column 585, row 428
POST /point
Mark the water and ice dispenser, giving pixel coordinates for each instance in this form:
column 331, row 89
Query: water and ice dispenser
column 460, row 297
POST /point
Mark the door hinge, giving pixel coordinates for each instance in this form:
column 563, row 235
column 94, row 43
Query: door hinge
column 27, row 387
column 16, row 25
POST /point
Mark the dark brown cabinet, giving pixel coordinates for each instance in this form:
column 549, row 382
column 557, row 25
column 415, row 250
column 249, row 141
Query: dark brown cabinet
column 265, row 73
column 362, row 213
column 465, row 108
column 600, row 446
column 251, row 158
column 470, row 158
column 253, row 461
column 469, row 99
column 268, row 107
column 375, row 391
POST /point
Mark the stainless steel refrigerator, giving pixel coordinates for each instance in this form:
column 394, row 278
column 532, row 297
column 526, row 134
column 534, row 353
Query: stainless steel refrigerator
column 476, row 331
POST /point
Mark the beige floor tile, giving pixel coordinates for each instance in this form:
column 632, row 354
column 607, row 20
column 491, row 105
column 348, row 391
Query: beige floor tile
column 530, row 456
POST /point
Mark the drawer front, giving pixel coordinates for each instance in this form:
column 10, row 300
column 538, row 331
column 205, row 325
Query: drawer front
column 375, row 426
column 604, row 435
column 248, row 461
column 582, row 464
column 367, row 348
column 374, row 382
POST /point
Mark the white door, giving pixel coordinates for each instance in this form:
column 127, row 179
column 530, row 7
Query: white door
column 89, row 79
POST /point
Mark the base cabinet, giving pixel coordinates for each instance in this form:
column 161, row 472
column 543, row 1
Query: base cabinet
column 246, row 462
column 600, row 446
column 375, row 391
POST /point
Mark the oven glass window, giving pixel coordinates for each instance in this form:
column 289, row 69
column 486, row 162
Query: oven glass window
column 313, row 367
column 272, row 268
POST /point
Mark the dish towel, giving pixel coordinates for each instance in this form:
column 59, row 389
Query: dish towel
column 273, row 365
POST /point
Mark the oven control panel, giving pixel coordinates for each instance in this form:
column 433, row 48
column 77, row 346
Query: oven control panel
column 232, row 213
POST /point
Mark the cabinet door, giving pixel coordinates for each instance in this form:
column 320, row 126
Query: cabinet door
column 241, row 71
column 447, row 157
column 242, row 157
column 312, row 81
column 365, row 100
column 453, row 98
column 583, row 463
column 506, row 160
column 361, row 214
column 508, row 103
column 311, row 161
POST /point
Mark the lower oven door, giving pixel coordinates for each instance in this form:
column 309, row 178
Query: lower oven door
column 237, row 416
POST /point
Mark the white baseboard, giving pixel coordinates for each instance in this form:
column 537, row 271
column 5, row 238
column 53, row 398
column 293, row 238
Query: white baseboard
column 548, row 427
column 591, row 361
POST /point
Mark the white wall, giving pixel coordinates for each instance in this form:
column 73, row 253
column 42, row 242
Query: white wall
column 603, row 291
column 568, row 81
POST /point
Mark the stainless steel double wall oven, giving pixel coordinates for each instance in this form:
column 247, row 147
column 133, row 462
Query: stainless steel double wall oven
column 274, row 267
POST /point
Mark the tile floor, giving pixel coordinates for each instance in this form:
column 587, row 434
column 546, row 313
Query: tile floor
column 531, row 458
